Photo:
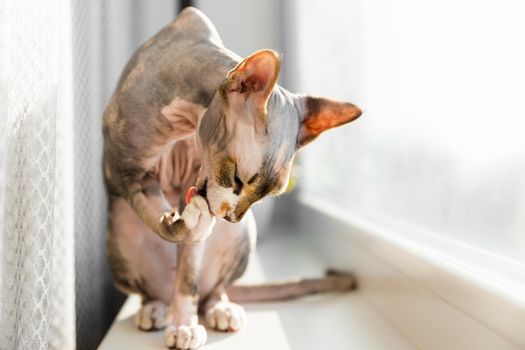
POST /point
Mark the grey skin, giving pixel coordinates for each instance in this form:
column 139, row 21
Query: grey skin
column 188, row 112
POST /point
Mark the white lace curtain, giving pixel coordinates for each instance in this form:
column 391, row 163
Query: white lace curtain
column 59, row 62
column 37, row 267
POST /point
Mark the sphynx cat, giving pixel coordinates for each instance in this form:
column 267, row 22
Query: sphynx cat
column 188, row 112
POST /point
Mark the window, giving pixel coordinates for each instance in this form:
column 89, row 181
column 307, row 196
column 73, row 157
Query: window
column 440, row 147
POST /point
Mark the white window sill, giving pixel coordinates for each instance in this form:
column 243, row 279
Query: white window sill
column 336, row 321
column 408, row 297
column 441, row 294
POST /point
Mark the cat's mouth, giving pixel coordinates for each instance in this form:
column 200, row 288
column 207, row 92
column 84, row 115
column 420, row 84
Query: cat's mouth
column 227, row 218
column 203, row 191
column 226, row 213
column 233, row 217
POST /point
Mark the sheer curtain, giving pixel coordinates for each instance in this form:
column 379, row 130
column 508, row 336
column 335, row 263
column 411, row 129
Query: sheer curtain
column 59, row 62
column 37, row 253
column 104, row 36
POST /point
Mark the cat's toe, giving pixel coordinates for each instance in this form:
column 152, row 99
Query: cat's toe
column 151, row 316
column 169, row 218
column 185, row 337
column 226, row 316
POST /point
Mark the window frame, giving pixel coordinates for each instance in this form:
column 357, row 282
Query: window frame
column 431, row 287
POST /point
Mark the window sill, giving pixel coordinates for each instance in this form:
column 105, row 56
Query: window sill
column 337, row 321
column 409, row 297
column 439, row 293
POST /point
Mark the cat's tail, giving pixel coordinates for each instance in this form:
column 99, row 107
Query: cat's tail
column 333, row 281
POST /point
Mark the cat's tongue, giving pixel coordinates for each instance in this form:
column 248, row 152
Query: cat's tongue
column 192, row 191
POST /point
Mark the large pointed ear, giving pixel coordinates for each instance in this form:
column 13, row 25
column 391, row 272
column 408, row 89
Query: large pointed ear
column 255, row 77
column 321, row 114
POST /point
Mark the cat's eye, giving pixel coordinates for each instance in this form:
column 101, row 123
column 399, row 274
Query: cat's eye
column 238, row 182
column 252, row 179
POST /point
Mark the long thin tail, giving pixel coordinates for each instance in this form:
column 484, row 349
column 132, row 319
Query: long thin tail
column 334, row 281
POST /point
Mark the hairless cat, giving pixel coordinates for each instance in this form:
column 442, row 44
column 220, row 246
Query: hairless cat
column 188, row 112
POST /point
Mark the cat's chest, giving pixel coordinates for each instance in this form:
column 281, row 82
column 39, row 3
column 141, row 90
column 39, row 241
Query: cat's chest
column 177, row 169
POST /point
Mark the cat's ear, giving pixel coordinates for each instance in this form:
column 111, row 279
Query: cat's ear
column 254, row 78
column 321, row 114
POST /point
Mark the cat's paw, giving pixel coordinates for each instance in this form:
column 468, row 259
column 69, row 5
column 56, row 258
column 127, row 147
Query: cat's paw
column 151, row 316
column 195, row 223
column 198, row 219
column 226, row 316
column 185, row 337
column 169, row 218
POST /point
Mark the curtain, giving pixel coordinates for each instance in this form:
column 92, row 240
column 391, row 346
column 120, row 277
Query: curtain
column 36, row 246
column 59, row 62
column 104, row 36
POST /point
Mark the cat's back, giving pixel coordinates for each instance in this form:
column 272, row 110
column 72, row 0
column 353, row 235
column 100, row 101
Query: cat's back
column 185, row 59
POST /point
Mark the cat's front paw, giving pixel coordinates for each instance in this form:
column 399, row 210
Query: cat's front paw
column 198, row 219
column 194, row 225
column 151, row 316
column 169, row 218
column 185, row 337
column 225, row 316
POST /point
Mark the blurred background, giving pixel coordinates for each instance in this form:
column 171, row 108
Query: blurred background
column 440, row 149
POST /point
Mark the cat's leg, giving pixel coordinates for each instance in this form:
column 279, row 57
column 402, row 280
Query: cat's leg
column 183, row 330
column 141, row 263
column 227, row 254
column 194, row 224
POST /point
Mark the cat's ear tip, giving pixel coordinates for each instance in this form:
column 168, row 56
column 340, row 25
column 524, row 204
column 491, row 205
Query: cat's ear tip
column 271, row 52
column 268, row 56
column 322, row 114
column 256, row 73
column 355, row 110
column 314, row 105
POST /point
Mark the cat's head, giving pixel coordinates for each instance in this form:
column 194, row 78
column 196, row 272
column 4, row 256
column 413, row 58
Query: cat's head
column 251, row 132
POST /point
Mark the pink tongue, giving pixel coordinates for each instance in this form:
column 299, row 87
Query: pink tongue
column 192, row 191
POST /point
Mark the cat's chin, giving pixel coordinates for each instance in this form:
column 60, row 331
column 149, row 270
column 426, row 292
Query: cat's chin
column 227, row 218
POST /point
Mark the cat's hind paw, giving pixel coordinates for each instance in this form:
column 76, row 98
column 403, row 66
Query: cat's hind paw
column 226, row 316
column 185, row 337
column 151, row 316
